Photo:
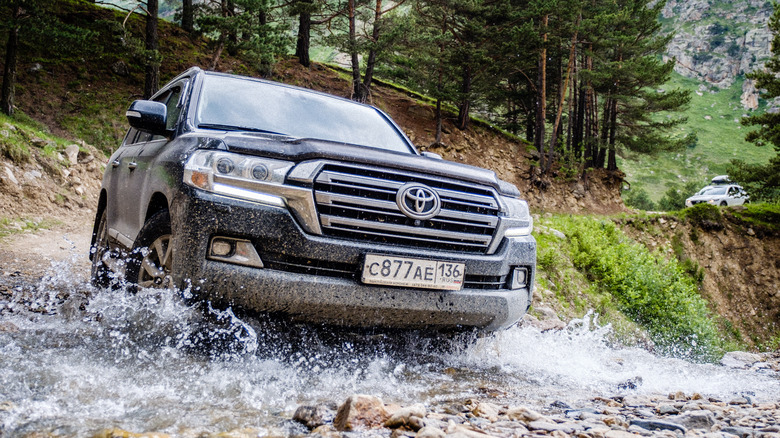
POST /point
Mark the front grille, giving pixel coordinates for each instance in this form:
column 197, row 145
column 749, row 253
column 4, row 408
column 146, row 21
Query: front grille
column 349, row 271
column 360, row 203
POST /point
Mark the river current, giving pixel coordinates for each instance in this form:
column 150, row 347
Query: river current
column 75, row 360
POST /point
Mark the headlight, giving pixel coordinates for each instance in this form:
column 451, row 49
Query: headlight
column 238, row 176
column 518, row 217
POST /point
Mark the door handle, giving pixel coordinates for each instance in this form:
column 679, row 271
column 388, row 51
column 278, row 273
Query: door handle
column 132, row 165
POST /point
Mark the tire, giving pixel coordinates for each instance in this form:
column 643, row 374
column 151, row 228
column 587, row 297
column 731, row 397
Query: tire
column 150, row 262
column 100, row 272
column 724, row 204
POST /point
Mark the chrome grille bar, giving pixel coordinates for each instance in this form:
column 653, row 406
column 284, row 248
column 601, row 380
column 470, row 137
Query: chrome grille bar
column 359, row 202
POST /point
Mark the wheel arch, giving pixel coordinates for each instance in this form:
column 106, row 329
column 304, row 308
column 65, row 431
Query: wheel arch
column 157, row 203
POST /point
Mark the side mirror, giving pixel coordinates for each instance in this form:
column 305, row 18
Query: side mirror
column 148, row 116
column 432, row 155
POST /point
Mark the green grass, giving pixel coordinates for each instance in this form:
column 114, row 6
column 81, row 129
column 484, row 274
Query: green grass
column 10, row 226
column 714, row 116
column 599, row 267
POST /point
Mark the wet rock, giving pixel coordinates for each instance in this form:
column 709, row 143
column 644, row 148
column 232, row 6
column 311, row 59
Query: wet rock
column 739, row 401
column 740, row 359
column 667, row 409
column 620, row 434
column 326, row 431
column 7, row 327
column 410, row 417
column 524, row 414
column 360, row 412
column 658, row 425
column 314, row 416
column 120, row 433
column 485, row 410
column 695, row 420
column 430, row 432
column 461, row 431
column 743, row 432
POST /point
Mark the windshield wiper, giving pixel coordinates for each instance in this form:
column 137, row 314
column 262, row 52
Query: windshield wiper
column 222, row 127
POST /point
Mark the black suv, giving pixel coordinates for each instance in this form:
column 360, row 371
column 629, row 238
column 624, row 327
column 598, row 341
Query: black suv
column 279, row 199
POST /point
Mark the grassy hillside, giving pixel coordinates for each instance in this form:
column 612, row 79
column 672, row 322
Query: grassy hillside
column 714, row 116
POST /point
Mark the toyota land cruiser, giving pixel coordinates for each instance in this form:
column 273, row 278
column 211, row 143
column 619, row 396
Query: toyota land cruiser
column 273, row 198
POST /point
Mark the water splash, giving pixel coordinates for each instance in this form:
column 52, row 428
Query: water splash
column 153, row 361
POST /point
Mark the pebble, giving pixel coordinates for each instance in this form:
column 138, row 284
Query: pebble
column 676, row 415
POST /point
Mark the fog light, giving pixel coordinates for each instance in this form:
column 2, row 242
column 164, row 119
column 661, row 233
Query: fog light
column 221, row 248
column 236, row 251
column 519, row 278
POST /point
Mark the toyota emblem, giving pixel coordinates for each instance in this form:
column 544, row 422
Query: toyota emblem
column 418, row 201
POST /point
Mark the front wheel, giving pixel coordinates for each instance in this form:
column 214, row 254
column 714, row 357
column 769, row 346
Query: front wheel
column 151, row 260
column 724, row 204
column 100, row 272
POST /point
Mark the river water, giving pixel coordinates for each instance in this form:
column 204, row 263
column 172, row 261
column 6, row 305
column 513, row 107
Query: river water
column 75, row 360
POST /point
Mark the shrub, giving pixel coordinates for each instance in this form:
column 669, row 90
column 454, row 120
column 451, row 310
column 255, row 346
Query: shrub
column 675, row 196
column 639, row 199
column 705, row 216
column 655, row 292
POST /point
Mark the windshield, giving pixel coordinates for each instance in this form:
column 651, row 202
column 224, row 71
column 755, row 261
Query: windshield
column 227, row 102
column 716, row 191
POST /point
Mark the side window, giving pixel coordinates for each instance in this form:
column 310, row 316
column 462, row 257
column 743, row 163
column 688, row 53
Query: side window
column 173, row 107
column 135, row 136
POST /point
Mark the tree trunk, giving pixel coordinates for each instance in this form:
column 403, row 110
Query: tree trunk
column 465, row 104
column 541, row 95
column 9, row 70
column 303, row 42
column 152, row 82
column 187, row 22
column 562, row 97
column 357, row 88
column 438, row 121
column 372, row 53
column 612, row 160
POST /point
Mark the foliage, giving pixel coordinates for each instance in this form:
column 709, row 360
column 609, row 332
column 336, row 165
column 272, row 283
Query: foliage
column 244, row 26
column 704, row 215
column 675, row 196
column 761, row 181
column 639, row 199
column 655, row 292
column 764, row 216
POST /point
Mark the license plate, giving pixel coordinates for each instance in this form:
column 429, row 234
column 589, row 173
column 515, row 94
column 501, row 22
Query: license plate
column 418, row 273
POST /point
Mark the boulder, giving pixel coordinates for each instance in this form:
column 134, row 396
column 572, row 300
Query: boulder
column 410, row 417
column 361, row 412
column 314, row 416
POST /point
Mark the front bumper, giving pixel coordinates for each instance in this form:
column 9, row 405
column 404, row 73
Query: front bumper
column 317, row 279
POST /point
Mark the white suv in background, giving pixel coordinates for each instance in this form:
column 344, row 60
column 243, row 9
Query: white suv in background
column 719, row 194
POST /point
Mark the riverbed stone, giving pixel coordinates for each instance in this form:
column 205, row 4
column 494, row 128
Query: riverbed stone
column 667, row 409
column 430, row 432
column 658, row 425
column 314, row 416
column 360, row 412
column 695, row 420
column 410, row 417
column 620, row 434
column 121, row 433
column 524, row 414
column 486, row 410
